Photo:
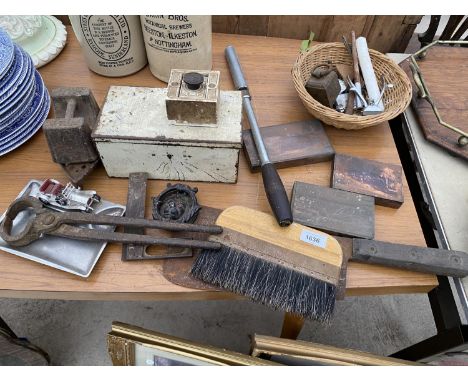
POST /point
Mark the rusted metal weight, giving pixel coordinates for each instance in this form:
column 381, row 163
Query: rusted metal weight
column 68, row 134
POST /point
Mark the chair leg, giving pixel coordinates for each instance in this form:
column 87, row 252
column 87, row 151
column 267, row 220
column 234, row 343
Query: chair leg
column 450, row 28
column 292, row 326
column 427, row 37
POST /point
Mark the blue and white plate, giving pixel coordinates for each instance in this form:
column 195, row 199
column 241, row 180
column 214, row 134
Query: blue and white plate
column 15, row 75
column 29, row 123
column 21, row 91
column 28, row 114
column 31, row 130
column 7, row 52
column 17, row 109
column 27, row 134
column 21, row 97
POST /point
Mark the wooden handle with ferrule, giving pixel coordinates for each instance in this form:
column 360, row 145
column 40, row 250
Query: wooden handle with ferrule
column 276, row 195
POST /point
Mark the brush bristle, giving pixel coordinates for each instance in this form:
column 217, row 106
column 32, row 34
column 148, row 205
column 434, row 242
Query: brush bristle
column 268, row 283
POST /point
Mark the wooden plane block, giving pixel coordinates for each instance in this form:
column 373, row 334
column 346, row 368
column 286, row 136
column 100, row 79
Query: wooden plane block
column 334, row 211
column 292, row 144
column 383, row 181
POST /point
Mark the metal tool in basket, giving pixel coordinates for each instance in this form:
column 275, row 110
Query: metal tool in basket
column 48, row 222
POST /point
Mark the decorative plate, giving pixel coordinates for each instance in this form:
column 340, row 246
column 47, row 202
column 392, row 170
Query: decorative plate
column 15, row 110
column 27, row 114
column 30, row 122
column 31, row 131
column 23, row 89
column 34, row 127
column 42, row 37
column 7, row 52
column 11, row 81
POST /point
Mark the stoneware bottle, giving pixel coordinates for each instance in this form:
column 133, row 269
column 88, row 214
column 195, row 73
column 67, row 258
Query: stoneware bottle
column 177, row 42
column 112, row 45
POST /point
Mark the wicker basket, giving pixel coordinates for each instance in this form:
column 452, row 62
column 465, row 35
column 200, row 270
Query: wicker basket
column 396, row 99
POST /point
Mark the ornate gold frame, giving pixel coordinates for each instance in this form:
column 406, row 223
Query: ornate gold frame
column 122, row 339
column 323, row 354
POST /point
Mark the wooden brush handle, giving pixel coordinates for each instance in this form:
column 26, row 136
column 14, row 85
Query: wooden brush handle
column 276, row 195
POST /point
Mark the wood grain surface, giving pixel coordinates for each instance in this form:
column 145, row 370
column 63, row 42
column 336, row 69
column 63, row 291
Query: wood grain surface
column 379, row 180
column 275, row 102
column 383, row 33
column 291, row 144
column 443, row 69
column 334, row 211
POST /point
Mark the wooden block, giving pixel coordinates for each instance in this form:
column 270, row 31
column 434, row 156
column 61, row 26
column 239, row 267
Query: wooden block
column 383, row 181
column 420, row 259
column 292, row 144
column 335, row 211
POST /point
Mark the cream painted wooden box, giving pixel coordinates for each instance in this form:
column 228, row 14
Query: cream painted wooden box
column 133, row 134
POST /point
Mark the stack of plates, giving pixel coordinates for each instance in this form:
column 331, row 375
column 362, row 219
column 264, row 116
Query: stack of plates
column 24, row 100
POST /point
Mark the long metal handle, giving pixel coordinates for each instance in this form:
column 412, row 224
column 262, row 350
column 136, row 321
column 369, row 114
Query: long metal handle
column 78, row 218
column 80, row 233
column 274, row 187
column 234, row 67
column 241, row 84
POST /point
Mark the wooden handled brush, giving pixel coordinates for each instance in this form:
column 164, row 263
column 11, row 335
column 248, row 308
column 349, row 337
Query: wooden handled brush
column 294, row 268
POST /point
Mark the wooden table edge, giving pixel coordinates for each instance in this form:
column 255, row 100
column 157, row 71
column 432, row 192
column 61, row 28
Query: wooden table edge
column 192, row 295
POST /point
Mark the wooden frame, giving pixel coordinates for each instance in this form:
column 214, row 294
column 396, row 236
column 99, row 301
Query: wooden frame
column 128, row 345
column 309, row 353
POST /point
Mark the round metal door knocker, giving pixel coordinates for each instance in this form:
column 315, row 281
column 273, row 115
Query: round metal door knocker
column 176, row 203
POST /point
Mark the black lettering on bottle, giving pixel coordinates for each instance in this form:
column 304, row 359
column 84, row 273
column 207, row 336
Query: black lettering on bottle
column 108, row 37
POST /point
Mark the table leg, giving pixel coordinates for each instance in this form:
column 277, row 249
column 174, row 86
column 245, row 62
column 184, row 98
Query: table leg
column 292, row 326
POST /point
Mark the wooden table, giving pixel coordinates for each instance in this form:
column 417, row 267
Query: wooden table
column 267, row 65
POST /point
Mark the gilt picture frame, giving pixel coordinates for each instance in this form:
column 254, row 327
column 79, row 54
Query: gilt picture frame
column 130, row 345
column 302, row 353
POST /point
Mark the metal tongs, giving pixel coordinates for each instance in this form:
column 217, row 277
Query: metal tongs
column 49, row 222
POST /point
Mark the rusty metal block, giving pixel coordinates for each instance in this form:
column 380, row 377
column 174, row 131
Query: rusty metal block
column 192, row 97
column 68, row 134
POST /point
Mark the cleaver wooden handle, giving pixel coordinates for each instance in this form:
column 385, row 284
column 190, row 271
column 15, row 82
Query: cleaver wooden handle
column 420, row 259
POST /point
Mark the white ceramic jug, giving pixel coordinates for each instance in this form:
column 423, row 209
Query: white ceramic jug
column 177, row 42
column 112, row 45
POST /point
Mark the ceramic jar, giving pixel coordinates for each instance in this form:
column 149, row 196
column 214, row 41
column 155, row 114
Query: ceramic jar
column 112, row 45
column 177, row 42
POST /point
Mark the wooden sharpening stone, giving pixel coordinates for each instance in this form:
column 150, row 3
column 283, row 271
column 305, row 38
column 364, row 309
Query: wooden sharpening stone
column 334, row 211
column 291, row 144
column 383, row 181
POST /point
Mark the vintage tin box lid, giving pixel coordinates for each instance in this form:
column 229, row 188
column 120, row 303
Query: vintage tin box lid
column 139, row 113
